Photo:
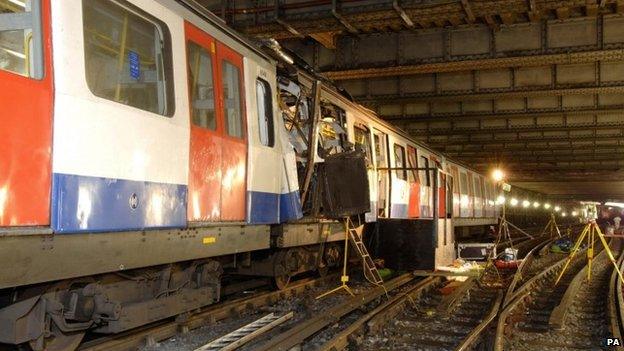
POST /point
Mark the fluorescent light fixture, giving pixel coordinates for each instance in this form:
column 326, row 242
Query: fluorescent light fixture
column 616, row 204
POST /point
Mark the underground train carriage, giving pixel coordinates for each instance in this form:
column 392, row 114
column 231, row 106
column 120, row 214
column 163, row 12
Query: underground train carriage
column 121, row 228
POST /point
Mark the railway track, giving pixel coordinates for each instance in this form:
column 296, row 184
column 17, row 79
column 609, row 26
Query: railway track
column 421, row 313
column 432, row 319
column 573, row 315
column 151, row 334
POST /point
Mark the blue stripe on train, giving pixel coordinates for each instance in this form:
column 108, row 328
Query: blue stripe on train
column 398, row 211
column 269, row 208
column 290, row 206
column 263, row 207
column 94, row 204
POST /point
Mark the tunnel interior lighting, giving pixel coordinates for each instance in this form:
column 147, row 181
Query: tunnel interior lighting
column 513, row 201
column 563, row 214
column 500, row 200
column 557, row 208
column 498, row 175
column 536, row 204
column 616, row 204
column 574, row 213
column 526, row 203
column 546, row 205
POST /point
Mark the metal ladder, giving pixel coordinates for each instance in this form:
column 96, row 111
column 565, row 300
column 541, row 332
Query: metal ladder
column 243, row 335
column 370, row 271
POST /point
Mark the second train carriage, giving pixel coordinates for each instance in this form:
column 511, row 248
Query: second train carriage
column 143, row 153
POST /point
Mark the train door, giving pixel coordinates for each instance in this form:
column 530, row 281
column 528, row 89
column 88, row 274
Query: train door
column 362, row 139
column 413, row 208
column 425, row 189
column 478, row 196
column 381, row 161
column 234, row 150
column 218, row 148
column 441, row 188
column 464, row 194
column 399, row 196
column 26, row 100
column 471, row 196
column 456, row 195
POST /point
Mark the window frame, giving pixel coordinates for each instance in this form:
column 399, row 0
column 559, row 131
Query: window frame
column 34, row 17
column 368, row 153
column 425, row 160
column 400, row 174
column 223, row 60
column 413, row 163
column 212, row 56
column 165, row 62
column 268, row 113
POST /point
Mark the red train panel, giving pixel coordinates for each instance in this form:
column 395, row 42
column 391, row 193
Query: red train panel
column 218, row 147
column 26, row 141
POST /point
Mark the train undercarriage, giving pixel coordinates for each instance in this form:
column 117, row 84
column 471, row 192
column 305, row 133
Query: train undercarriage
column 56, row 315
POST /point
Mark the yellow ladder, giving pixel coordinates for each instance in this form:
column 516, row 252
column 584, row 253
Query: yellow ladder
column 370, row 271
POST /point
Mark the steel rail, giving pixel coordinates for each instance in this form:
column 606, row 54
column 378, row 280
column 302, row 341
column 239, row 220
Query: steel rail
column 526, row 262
column 474, row 335
column 616, row 303
column 164, row 330
column 521, row 294
column 559, row 313
column 297, row 334
column 379, row 315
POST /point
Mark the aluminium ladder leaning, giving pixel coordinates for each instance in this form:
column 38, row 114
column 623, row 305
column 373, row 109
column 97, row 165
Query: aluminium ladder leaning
column 370, row 271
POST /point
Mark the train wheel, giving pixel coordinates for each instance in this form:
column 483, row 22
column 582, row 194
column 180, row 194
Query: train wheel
column 58, row 341
column 281, row 282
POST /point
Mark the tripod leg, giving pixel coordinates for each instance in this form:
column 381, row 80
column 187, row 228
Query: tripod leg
column 609, row 253
column 590, row 252
column 573, row 252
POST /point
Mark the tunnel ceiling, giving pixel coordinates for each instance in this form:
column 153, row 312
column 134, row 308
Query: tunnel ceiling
column 536, row 86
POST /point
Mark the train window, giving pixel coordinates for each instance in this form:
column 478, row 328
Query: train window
column 380, row 153
column 425, row 164
column 202, row 87
column 463, row 182
column 264, row 103
column 477, row 187
column 232, row 109
column 362, row 141
column 411, row 163
column 399, row 161
column 127, row 56
column 21, row 49
column 455, row 174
